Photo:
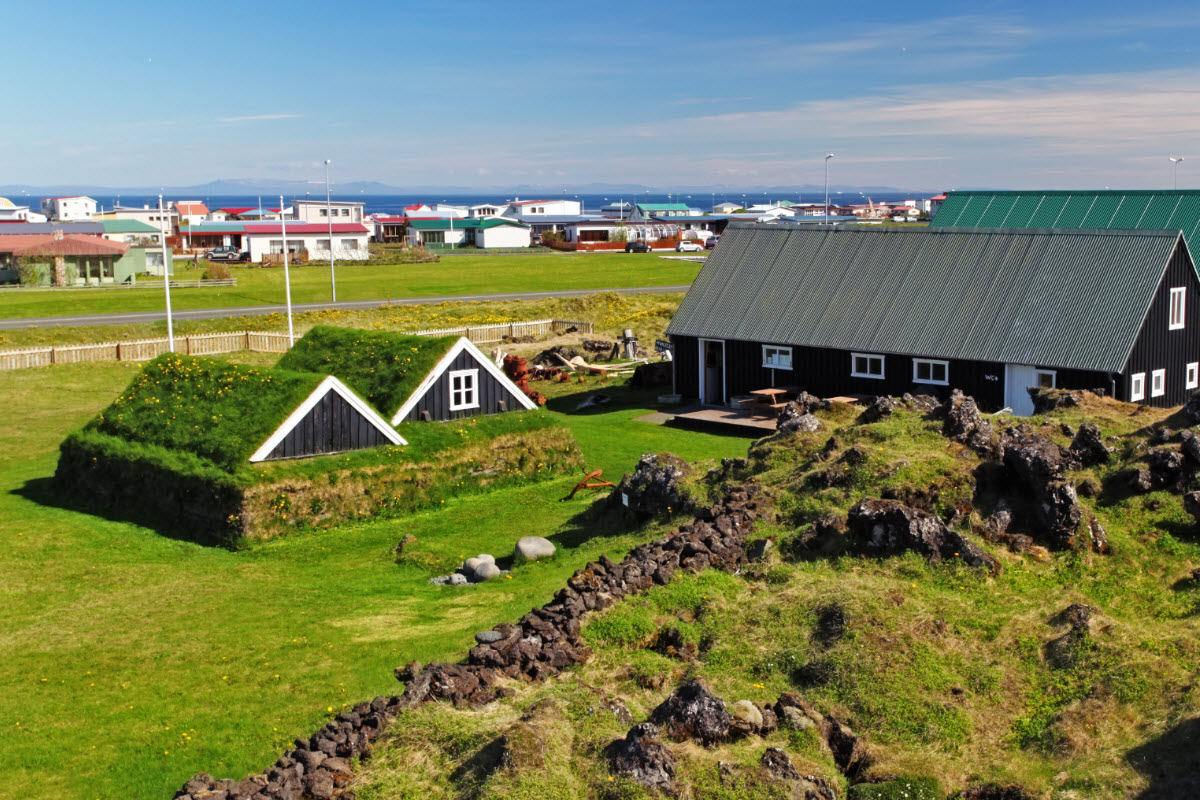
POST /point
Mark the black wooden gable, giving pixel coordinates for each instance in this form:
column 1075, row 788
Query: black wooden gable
column 479, row 389
column 331, row 420
column 330, row 426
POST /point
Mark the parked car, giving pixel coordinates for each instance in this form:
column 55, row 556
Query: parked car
column 689, row 246
column 711, row 242
column 637, row 247
column 226, row 253
column 535, row 240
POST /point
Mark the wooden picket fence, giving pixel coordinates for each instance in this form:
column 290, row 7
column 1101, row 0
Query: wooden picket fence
column 204, row 344
column 485, row 334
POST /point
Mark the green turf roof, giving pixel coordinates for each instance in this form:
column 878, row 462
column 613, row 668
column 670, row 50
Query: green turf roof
column 220, row 411
column 1152, row 209
column 382, row 367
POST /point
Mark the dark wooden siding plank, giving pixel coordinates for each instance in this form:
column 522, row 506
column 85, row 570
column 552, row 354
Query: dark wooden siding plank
column 1158, row 347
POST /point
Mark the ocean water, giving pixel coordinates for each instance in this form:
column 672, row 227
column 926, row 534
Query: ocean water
column 395, row 203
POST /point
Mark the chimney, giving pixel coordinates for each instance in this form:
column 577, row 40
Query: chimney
column 57, row 235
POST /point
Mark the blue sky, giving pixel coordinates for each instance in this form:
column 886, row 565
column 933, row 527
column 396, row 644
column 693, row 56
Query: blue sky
column 915, row 95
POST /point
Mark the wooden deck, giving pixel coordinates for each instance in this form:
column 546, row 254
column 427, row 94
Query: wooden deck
column 728, row 418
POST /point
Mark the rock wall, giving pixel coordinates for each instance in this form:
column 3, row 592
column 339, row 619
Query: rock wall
column 542, row 643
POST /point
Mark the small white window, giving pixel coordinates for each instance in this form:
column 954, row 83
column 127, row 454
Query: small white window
column 1158, row 383
column 1178, row 305
column 928, row 371
column 1193, row 375
column 777, row 357
column 349, row 244
column 866, row 365
column 1044, row 378
column 464, row 389
column 1137, row 386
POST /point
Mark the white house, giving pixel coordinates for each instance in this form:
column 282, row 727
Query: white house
column 485, row 210
column 526, row 208
column 267, row 238
column 316, row 211
column 69, row 208
column 190, row 211
column 11, row 212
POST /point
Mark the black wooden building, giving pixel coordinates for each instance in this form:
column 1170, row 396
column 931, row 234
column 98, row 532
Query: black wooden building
column 330, row 420
column 464, row 383
column 870, row 311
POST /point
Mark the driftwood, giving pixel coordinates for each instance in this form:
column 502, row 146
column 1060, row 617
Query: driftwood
column 584, row 484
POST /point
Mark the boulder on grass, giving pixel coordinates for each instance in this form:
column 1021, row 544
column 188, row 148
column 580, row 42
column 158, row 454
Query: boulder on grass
column 532, row 548
column 641, row 757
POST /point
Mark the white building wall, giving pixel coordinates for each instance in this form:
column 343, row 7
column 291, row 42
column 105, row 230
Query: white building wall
column 314, row 211
column 502, row 236
column 69, row 208
column 346, row 246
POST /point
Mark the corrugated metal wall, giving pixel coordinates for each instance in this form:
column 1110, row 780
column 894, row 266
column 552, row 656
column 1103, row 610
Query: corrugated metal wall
column 437, row 400
column 332, row 426
column 1158, row 347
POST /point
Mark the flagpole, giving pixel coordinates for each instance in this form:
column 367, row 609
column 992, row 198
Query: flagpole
column 166, row 277
column 287, row 281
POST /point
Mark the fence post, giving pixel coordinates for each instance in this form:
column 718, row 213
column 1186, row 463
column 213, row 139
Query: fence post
column 52, row 355
column 248, row 341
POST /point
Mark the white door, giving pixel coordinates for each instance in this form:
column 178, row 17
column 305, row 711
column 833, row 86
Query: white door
column 1017, row 380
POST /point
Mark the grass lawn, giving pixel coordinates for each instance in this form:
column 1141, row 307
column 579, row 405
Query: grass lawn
column 134, row 661
column 310, row 284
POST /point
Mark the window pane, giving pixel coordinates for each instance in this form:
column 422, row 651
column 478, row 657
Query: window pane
column 860, row 364
column 939, row 372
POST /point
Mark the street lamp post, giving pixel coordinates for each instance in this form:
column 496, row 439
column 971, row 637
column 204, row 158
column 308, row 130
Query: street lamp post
column 329, row 219
column 1176, row 161
column 166, row 275
column 827, row 187
column 287, row 279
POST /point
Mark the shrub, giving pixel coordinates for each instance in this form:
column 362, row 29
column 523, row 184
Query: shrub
column 217, row 272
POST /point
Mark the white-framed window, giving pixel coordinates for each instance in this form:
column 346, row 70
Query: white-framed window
column 1158, row 383
column 1137, row 386
column 1044, row 378
column 927, row 370
column 1178, row 307
column 349, row 244
column 276, row 246
column 866, row 365
column 1193, row 375
column 464, row 389
column 777, row 357
column 323, row 244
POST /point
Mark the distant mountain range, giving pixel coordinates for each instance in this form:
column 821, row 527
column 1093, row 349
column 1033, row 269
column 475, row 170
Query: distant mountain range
column 251, row 186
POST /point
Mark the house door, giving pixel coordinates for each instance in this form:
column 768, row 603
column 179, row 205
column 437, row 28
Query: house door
column 1017, row 380
column 712, row 372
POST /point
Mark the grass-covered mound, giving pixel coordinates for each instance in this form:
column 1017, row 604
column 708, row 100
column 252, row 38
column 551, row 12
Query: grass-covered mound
column 951, row 676
column 216, row 410
column 385, row 368
column 173, row 452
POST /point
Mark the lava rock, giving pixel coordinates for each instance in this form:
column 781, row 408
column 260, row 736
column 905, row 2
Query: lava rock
column 805, row 423
column 653, row 487
column 759, row 549
column 887, row 526
column 693, row 712
column 964, row 425
column 1045, row 400
column 1166, row 469
column 1190, row 447
column 532, row 548
column 1088, row 445
column 779, row 766
column 641, row 757
column 882, row 406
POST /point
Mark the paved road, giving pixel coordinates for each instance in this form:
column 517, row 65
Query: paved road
column 248, row 311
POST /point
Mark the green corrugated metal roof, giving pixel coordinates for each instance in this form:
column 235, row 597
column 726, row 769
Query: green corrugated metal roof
column 1059, row 298
column 127, row 226
column 663, row 206
column 462, row 224
column 1111, row 208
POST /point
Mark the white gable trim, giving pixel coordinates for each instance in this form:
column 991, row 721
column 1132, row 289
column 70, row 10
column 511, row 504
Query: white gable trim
column 330, row 384
column 485, row 363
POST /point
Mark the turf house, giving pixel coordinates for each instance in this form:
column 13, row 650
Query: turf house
column 868, row 311
column 219, row 452
column 410, row 378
